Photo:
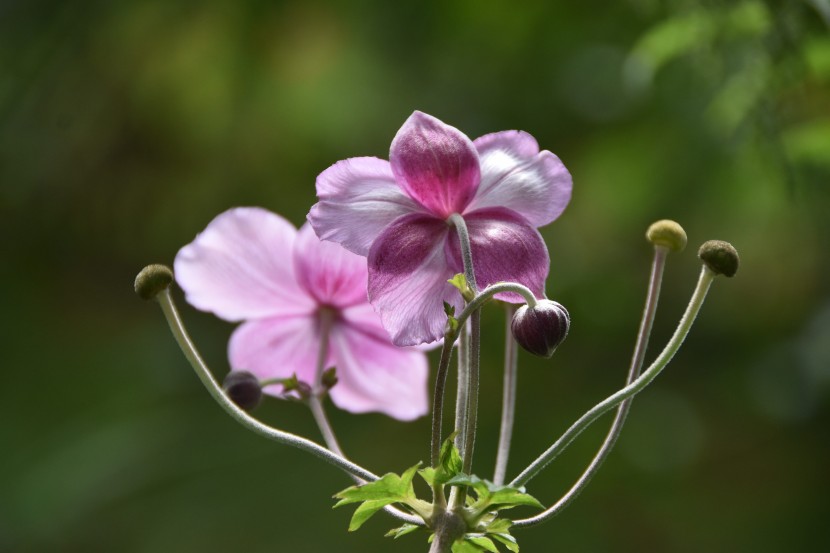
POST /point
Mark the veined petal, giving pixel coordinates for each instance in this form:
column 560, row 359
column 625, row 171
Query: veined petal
column 358, row 199
column 277, row 347
column 516, row 175
column 505, row 247
column 436, row 164
column 330, row 273
column 408, row 272
column 240, row 267
column 374, row 375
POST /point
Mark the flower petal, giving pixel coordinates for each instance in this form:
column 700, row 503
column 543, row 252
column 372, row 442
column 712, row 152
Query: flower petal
column 374, row 375
column 436, row 164
column 277, row 347
column 358, row 199
column 516, row 175
column 240, row 267
column 330, row 273
column 505, row 247
column 408, row 272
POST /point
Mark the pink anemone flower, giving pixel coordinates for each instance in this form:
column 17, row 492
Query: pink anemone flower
column 252, row 265
column 395, row 213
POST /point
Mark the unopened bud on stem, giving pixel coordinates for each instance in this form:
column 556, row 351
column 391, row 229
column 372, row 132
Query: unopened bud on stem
column 541, row 328
column 667, row 233
column 721, row 257
column 243, row 388
column 151, row 280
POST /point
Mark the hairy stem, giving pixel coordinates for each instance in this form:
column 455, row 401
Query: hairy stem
column 508, row 403
column 640, row 348
column 705, row 280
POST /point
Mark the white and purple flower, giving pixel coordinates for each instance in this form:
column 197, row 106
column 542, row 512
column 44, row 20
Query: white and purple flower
column 252, row 265
column 395, row 213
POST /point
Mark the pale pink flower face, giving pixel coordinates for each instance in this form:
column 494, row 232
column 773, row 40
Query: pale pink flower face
column 395, row 214
column 252, row 265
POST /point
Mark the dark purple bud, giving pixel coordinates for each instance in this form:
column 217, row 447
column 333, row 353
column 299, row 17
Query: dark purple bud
column 540, row 329
column 243, row 388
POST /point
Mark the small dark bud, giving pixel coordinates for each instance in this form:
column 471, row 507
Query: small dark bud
column 721, row 257
column 542, row 328
column 243, row 388
column 667, row 233
column 151, row 280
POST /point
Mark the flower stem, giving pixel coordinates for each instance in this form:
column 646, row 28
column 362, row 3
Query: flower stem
column 243, row 418
column 461, row 393
column 315, row 402
column 466, row 251
column 508, row 404
column 705, row 280
column 468, row 410
column 640, row 348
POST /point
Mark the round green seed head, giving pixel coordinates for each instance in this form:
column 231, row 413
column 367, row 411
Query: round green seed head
column 151, row 280
column 721, row 257
column 667, row 233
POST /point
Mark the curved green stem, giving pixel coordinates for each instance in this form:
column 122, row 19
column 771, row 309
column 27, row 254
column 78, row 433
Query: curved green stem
column 640, row 347
column 508, row 404
column 240, row 416
column 705, row 280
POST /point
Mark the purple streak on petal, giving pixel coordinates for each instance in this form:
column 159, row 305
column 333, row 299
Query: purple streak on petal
column 358, row 199
column 240, row 267
column 328, row 272
column 373, row 374
column 505, row 247
column 408, row 272
column 516, row 175
column 277, row 348
column 436, row 164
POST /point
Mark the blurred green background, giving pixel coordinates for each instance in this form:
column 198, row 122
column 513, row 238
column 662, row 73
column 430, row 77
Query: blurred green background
column 126, row 126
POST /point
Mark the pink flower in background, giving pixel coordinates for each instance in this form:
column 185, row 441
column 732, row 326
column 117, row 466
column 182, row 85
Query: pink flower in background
column 395, row 213
column 252, row 265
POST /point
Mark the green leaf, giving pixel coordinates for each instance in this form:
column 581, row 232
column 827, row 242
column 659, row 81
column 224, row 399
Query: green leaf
column 499, row 526
column 512, row 497
column 449, row 310
column 460, row 282
column 365, row 511
column 329, row 378
column 389, row 487
column 401, row 531
column 449, row 458
column 465, row 546
column 483, row 543
column 449, row 463
column 508, row 541
column 471, row 481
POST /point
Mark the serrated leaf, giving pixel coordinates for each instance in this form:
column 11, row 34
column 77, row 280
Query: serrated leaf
column 511, row 497
column 428, row 474
column 499, row 526
column 471, row 481
column 464, row 546
column 449, row 309
column 396, row 533
column 449, row 458
column 508, row 541
column 460, row 282
column 483, row 543
column 389, row 487
column 365, row 511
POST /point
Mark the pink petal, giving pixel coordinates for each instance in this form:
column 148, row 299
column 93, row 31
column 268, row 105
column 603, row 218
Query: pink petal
column 374, row 375
column 436, row 164
column 330, row 273
column 505, row 247
column 408, row 272
column 358, row 199
column 240, row 267
column 516, row 175
column 277, row 347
